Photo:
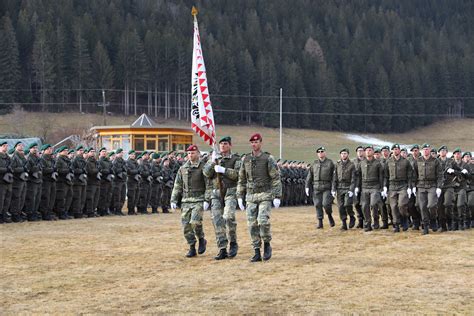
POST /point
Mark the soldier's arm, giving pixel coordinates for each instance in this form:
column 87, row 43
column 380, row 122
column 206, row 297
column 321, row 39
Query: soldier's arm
column 386, row 176
column 233, row 174
column 208, row 169
column 410, row 175
column 62, row 168
column 242, row 183
column 17, row 167
column 334, row 180
column 381, row 177
column 309, row 178
column 415, row 173
column 131, row 169
column 353, row 179
column 439, row 174
column 177, row 188
column 275, row 176
column 359, row 176
column 209, row 187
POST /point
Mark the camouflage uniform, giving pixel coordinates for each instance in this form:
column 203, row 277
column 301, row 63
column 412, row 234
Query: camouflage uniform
column 470, row 190
column 320, row 177
column 191, row 188
column 223, row 209
column 460, row 196
column 259, row 183
column 360, row 215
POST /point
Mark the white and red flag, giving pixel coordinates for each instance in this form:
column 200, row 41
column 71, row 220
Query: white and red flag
column 202, row 118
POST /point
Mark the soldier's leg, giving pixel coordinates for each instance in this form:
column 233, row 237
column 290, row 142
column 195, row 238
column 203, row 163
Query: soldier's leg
column 69, row 189
column 154, row 198
column 414, row 212
column 433, row 208
column 219, row 223
column 22, row 200
column 341, row 205
column 470, row 205
column 15, row 204
column 5, row 198
column 30, row 201
column 76, row 200
column 348, row 201
column 131, row 192
column 263, row 220
column 318, row 203
column 327, row 202
column 365, row 204
column 165, row 199
column 186, row 210
column 422, row 198
column 2, row 199
column 229, row 218
column 360, row 214
column 442, row 212
column 90, row 194
column 461, row 201
column 254, row 230
column 403, row 208
column 197, row 213
column 393, row 198
column 103, row 198
column 61, row 199
column 376, row 206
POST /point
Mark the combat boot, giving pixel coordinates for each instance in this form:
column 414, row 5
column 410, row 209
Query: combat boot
column 222, row 254
column 434, row 226
column 154, row 210
column 233, row 249
column 443, row 226
column 376, row 224
column 331, row 220
column 460, row 225
column 165, row 210
column 320, row 224
column 404, row 224
column 202, row 246
column 384, row 225
column 396, row 228
column 368, row 228
column 344, row 225
column 467, row 225
column 416, row 224
column 426, row 230
column 352, row 222
column 256, row 257
column 360, row 224
column 267, row 251
column 192, row 252
column 6, row 218
column 454, row 225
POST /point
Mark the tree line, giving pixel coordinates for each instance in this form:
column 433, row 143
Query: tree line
column 374, row 66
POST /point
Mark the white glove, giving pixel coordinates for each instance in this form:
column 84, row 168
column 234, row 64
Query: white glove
column 333, row 193
column 205, row 206
column 350, row 194
column 214, row 156
column 241, row 204
column 438, row 192
column 276, row 203
column 409, row 192
column 307, row 191
column 219, row 169
column 450, row 170
column 173, row 206
column 464, row 171
column 356, row 191
column 414, row 191
column 383, row 194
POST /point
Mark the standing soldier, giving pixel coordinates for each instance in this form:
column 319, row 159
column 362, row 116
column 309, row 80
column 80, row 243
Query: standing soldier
column 320, row 177
column 93, row 183
column 120, row 190
column 344, row 182
column 360, row 152
column 48, row 187
column 398, row 183
column 144, row 184
column 429, row 182
column 79, row 187
column 33, row 185
column 20, row 176
column 259, row 183
column 65, row 177
column 413, row 207
column 467, row 158
column 168, row 181
column 223, row 171
column 6, row 180
column 371, row 182
column 460, row 197
column 156, row 183
column 133, row 179
column 386, row 209
column 446, row 199
column 190, row 187
column 106, row 181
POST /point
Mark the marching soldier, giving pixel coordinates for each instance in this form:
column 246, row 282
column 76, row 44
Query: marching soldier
column 70, row 183
column 106, row 181
column 344, row 182
column 259, row 183
column 470, row 184
column 6, row 180
column 371, row 182
column 93, row 183
column 20, row 176
column 413, row 207
column 133, row 179
column 144, row 184
column 460, row 197
column 155, row 191
column 48, row 187
column 79, row 187
column 223, row 171
column 33, row 185
column 320, row 177
column 360, row 155
column 446, row 199
column 190, row 187
column 119, row 191
column 429, row 182
column 398, row 182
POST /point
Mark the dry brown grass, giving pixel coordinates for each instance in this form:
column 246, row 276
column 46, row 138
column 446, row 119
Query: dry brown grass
column 137, row 265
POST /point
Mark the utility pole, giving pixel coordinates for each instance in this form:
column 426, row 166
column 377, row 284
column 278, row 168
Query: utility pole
column 104, row 106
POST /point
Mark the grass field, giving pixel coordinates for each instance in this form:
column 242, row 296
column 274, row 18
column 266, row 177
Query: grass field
column 136, row 265
column 298, row 144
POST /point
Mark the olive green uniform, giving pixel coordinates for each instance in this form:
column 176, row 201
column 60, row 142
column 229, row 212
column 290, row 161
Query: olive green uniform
column 370, row 182
column 320, row 177
column 6, row 180
column 344, row 181
column 398, row 178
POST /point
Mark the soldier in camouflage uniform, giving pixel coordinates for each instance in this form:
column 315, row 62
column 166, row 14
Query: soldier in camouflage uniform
column 413, row 207
column 370, row 180
column 65, row 177
column 344, row 182
column 168, row 181
column 429, row 181
column 320, row 178
column 386, row 209
column 79, row 183
column 93, row 183
column 133, row 180
column 223, row 172
column 156, row 183
column 460, row 197
column 48, row 187
column 6, row 180
column 259, row 183
column 360, row 152
column 70, row 184
column 106, row 182
column 398, row 183
column 144, row 184
column 470, row 184
column 191, row 187
column 20, row 176
column 120, row 190
column 33, row 185
column 446, row 199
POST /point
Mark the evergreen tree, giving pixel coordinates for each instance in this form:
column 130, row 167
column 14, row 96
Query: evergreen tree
column 9, row 62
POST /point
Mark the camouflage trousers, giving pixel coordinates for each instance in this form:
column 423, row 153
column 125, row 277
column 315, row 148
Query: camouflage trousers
column 258, row 220
column 191, row 221
column 223, row 219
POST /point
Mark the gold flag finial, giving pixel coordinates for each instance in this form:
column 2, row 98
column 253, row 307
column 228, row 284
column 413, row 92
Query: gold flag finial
column 194, row 11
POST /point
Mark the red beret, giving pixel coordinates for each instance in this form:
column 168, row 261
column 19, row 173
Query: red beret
column 192, row 148
column 255, row 136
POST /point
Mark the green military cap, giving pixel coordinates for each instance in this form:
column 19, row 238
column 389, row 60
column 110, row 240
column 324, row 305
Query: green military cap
column 32, row 145
column 70, row 151
column 102, row 148
column 119, row 150
column 285, row 161
column 45, row 146
column 144, row 153
column 110, row 154
column 3, row 142
column 444, row 147
column 359, row 147
column 320, row 148
column 344, row 150
column 86, row 150
column 425, row 145
column 395, row 146
column 17, row 143
column 11, row 151
column 456, row 150
column 90, row 149
column 377, row 150
column 62, row 148
column 155, row 156
column 403, row 149
column 467, row 153
column 56, row 151
column 131, row 151
column 226, row 139
column 27, row 151
column 385, row 147
column 414, row 147
column 433, row 150
column 79, row 147
column 139, row 156
column 368, row 146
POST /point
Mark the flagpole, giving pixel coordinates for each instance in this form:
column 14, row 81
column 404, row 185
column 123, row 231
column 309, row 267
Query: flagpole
column 281, row 122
